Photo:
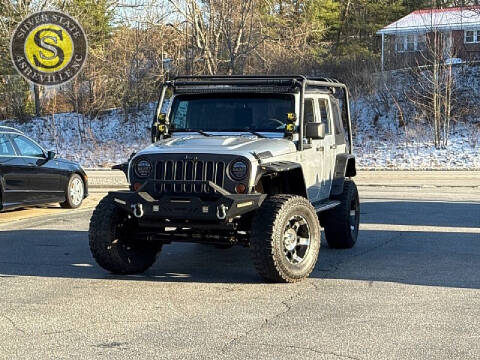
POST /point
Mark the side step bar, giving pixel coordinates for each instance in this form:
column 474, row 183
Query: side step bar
column 326, row 205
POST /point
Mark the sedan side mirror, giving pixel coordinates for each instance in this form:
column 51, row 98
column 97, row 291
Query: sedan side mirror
column 51, row 155
column 315, row 131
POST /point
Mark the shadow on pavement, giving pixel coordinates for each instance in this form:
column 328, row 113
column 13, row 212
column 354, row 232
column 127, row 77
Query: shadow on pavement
column 65, row 254
column 426, row 213
column 448, row 259
column 33, row 207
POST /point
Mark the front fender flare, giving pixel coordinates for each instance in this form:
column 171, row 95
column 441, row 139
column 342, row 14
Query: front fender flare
column 292, row 171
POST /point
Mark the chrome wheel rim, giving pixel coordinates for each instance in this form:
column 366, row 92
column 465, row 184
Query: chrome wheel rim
column 296, row 239
column 76, row 191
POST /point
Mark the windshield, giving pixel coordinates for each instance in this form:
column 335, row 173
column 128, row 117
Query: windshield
column 236, row 112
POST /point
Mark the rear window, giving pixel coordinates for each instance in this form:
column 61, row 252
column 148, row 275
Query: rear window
column 6, row 147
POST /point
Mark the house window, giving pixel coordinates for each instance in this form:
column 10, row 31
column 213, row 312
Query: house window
column 472, row 36
column 421, row 42
column 410, row 43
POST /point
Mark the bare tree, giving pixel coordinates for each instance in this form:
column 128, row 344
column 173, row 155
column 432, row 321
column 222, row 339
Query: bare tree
column 433, row 86
column 223, row 33
column 11, row 13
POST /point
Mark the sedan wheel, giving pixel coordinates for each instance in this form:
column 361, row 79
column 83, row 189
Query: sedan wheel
column 75, row 192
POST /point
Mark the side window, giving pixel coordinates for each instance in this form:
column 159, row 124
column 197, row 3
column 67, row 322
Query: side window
column 337, row 119
column 325, row 114
column 27, row 147
column 309, row 112
column 340, row 135
column 6, row 147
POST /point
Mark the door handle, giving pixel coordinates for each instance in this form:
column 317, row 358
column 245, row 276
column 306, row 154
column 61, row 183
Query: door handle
column 320, row 148
column 333, row 146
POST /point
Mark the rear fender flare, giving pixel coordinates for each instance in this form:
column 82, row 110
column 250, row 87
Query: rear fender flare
column 345, row 167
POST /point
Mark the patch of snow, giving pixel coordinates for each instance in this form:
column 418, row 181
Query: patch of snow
column 109, row 139
column 415, row 150
column 94, row 143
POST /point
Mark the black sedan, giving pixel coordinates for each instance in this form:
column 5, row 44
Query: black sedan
column 30, row 175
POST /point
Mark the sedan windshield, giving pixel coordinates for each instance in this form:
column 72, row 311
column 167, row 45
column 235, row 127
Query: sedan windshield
column 215, row 112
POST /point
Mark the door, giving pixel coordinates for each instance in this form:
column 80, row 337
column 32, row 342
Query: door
column 320, row 153
column 330, row 147
column 312, row 155
column 43, row 174
column 13, row 177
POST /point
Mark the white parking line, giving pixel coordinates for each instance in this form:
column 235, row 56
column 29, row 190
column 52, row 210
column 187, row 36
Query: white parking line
column 420, row 228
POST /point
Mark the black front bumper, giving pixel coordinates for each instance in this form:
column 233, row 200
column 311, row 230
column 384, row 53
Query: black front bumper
column 217, row 206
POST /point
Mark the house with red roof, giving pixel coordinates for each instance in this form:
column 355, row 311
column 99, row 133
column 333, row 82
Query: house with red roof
column 407, row 41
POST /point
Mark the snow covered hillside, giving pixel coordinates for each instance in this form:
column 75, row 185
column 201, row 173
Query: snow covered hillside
column 108, row 140
column 97, row 143
column 380, row 144
column 387, row 151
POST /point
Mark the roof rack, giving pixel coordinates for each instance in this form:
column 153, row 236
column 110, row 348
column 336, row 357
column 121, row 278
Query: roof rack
column 288, row 76
column 10, row 129
column 254, row 80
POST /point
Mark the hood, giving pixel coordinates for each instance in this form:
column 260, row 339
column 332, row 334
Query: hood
column 243, row 145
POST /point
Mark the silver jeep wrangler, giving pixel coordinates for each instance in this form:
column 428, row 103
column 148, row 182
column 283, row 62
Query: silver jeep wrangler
column 260, row 161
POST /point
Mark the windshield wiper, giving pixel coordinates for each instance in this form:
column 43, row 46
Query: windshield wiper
column 207, row 134
column 193, row 130
column 256, row 134
column 203, row 133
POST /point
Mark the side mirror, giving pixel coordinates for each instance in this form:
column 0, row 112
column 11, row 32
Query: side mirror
column 122, row 167
column 315, row 130
column 51, row 155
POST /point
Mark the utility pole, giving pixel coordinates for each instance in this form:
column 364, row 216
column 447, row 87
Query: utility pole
column 36, row 99
column 383, row 52
column 187, row 67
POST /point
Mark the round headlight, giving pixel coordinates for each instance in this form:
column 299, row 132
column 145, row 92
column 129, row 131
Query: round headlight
column 143, row 168
column 238, row 170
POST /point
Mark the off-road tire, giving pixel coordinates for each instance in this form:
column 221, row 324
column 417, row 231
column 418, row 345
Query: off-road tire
column 68, row 203
column 113, row 244
column 267, row 238
column 338, row 221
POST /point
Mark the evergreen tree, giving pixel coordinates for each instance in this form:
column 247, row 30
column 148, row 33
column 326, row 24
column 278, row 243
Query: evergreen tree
column 95, row 16
column 301, row 24
column 359, row 21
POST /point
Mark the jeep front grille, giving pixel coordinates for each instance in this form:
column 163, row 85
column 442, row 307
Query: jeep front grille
column 189, row 170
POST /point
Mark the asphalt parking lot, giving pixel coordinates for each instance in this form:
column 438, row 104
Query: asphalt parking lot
column 410, row 289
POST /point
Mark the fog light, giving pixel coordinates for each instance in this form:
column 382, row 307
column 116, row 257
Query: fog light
column 240, row 188
column 137, row 186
